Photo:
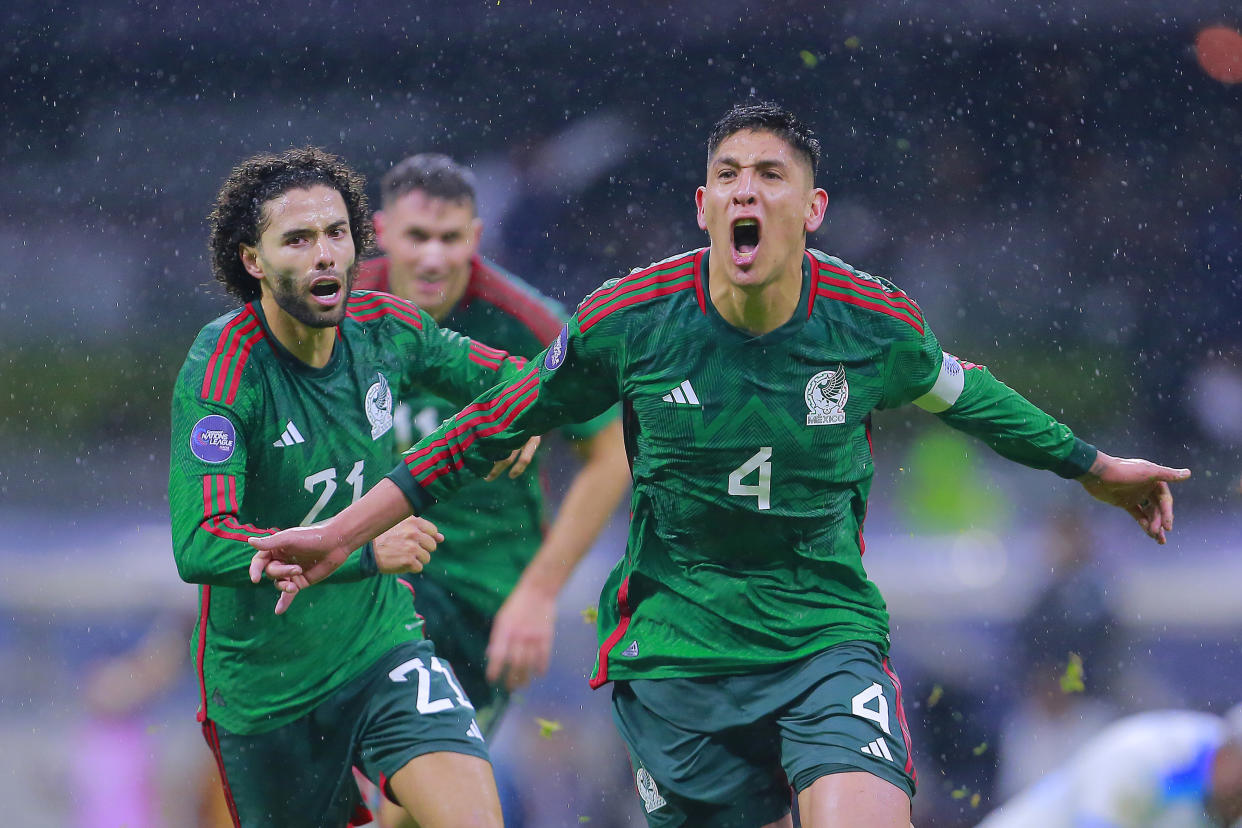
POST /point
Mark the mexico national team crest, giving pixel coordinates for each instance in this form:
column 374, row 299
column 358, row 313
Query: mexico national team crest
column 826, row 394
column 378, row 405
column 652, row 799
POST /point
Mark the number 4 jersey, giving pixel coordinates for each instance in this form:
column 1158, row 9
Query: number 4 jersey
column 751, row 457
column 261, row 439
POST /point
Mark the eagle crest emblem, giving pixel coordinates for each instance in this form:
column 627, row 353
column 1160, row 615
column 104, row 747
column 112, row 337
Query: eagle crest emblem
column 825, row 396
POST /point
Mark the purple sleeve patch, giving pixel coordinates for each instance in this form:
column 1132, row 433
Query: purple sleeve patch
column 557, row 350
column 213, row 439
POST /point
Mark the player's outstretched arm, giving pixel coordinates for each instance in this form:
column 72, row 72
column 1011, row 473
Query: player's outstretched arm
column 1138, row 486
column 318, row 550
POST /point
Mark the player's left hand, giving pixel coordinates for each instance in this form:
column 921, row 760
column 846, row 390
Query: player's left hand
column 406, row 547
column 521, row 641
column 1138, row 486
column 517, row 461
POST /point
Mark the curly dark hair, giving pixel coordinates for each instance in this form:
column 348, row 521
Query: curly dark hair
column 238, row 218
column 766, row 116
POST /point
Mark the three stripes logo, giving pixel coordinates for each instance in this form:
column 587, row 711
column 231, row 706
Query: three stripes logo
column 878, row 748
column 290, row 436
column 682, row 395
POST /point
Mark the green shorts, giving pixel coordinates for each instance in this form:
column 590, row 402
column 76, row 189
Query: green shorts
column 724, row 751
column 461, row 634
column 301, row 775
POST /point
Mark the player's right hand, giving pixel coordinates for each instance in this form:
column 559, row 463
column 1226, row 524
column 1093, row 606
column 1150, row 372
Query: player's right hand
column 295, row 558
column 406, row 547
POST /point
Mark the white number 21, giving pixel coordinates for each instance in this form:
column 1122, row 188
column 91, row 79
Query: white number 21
column 761, row 490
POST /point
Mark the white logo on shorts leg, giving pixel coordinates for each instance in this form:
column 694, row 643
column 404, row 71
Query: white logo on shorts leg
column 878, row 748
column 648, row 791
column 825, row 396
column 474, row 733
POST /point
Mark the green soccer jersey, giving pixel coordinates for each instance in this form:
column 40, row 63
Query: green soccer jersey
column 261, row 439
column 751, row 457
column 491, row 530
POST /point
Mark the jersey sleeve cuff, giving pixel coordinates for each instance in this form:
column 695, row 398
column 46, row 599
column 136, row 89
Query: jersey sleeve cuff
column 367, row 564
column 1078, row 462
column 420, row 501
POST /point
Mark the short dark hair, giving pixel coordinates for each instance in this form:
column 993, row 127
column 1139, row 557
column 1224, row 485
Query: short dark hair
column 437, row 175
column 766, row 116
column 237, row 217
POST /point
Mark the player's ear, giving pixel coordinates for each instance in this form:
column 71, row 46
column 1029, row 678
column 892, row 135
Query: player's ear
column 698, row 204
column 476, row 231
column 377, row 219
column 250, row 260
column 815, row 210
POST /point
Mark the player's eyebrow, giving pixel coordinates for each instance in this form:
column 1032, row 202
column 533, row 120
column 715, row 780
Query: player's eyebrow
column 310, row 231
column 730, row 161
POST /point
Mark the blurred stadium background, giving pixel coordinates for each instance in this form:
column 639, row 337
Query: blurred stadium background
column 1058, row 183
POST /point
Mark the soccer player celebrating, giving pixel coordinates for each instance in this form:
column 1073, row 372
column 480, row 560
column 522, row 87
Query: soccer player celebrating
column 1166, row 768
column 747, row 647
column 497, row 579
column 282, row 415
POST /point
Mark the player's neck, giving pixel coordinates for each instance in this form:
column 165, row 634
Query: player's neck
column 757, row 305
column 311, row 345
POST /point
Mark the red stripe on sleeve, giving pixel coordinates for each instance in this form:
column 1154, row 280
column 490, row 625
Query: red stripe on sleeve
column 637, row 281
column 242, row 356
column 898, row 299
column 522, row 403
column 632, row 299
column 227, row 367
column 468, row 420
column 854, row 299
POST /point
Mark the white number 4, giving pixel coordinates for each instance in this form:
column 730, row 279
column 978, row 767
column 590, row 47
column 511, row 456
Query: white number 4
column 761, row 490
column 880, row 715
column 424, row 701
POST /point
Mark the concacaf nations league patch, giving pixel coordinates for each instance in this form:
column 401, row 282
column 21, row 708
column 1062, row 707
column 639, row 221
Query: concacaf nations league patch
column 557, row 350
column 213, row 439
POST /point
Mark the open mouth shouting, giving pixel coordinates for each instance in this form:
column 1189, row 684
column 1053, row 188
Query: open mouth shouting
column 327, row 290
column 745, row 241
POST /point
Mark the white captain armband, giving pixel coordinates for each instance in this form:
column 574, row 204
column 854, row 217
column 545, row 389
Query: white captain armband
column 948, row 387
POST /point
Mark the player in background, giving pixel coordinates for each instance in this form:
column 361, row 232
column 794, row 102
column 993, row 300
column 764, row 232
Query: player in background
column 489, row 597
column 1166, row 769
column 282, row 415
column 747, row 646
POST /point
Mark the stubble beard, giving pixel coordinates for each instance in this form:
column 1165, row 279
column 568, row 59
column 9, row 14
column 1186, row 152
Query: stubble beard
column 290, row 299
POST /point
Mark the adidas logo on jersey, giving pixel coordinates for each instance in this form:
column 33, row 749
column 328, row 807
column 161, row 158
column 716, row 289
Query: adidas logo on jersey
column 682, row 395
column 290, row 436
column 631, row 651
column 878, row 749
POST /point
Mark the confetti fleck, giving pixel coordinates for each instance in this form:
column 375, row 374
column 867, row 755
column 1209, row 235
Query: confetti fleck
column 852, row 42
column 974, row 800
column 936, row 694
column 960, row 793
column 1071, row 682
column 590, row 615
column 584, row 819
column 809, row 59
column 547, row 727
column 979, row 750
